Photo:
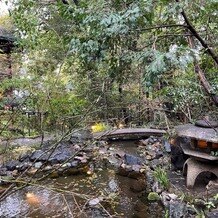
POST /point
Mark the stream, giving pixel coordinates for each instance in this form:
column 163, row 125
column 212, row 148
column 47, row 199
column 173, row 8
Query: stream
column 81, row 194
column 99, row 180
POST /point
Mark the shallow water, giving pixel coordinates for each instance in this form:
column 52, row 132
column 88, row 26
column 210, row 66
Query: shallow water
column 63, row 196
column 127, row 146
column 47, row 203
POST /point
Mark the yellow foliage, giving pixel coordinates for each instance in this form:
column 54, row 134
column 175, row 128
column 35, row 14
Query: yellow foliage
column 99, row 127
column 6, row 22
column 16, row 152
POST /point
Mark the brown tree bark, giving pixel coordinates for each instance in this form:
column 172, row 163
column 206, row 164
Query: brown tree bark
column 209, row 50
column 202, row 77
column 198, row 37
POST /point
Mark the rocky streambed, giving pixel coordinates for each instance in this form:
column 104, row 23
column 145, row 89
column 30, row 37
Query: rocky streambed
column 86, row 178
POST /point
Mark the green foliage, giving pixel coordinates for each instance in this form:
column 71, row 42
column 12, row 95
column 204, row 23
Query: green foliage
column 200, row 214
column 210, row 205
column 101, row 47
column 184, row 92
column 214, row 153
column 188, row 198
column 161, row 176
column 6, row 22
column 212, row 202
column 166, row 214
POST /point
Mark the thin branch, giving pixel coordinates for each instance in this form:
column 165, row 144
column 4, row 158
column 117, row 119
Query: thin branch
column 80, row 195
column 162, row 26
column 67, row 205
column 202, row 77
column 77, row 205
column 198, row 37
column 105, row 210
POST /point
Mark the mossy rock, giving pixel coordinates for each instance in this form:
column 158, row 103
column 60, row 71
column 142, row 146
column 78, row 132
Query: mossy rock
column 153, row 196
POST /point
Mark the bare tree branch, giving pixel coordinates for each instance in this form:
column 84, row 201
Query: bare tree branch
column 198, row 37
column 202, row 77
column 162, row 26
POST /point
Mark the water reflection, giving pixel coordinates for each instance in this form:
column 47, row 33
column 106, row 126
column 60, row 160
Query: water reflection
column 32, row 202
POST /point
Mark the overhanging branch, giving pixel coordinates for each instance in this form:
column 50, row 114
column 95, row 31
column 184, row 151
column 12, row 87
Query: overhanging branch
column 162, row 26
column 202, row 77
column 198, row 37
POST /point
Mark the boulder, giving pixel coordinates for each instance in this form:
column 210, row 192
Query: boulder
column 132, row 160
column 12, row 165
column 74, row 163
column 3, row 171
column 61, row 157
column 24, row 157
column 113, row 186
column 66, row 165
column 53, row 160
column 157, row 188
column 24, row 165
column 39, row 155
column 176, row 207
column 47, row 168
column 154, row 164
column 81, row 136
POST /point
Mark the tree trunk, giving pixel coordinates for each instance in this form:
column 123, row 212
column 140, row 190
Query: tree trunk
column 198, row 37
column 209, row 50
column 202, row 77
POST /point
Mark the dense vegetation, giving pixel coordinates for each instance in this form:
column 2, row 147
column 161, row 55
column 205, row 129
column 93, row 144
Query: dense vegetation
column 111, row 63
column 136, row 62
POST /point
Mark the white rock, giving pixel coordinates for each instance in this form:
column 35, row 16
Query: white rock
column 173, row 196
column 95, row 201
column 37, row 165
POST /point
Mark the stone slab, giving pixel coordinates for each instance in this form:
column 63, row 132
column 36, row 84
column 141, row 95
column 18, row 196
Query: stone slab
column 200, row 133
column 198, row 154
column 193, row 168
column 131, row 132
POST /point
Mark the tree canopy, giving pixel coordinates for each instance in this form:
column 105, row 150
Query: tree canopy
column 101, row 54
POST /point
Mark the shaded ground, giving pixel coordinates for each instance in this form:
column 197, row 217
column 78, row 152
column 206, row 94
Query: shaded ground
column 178, row 182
